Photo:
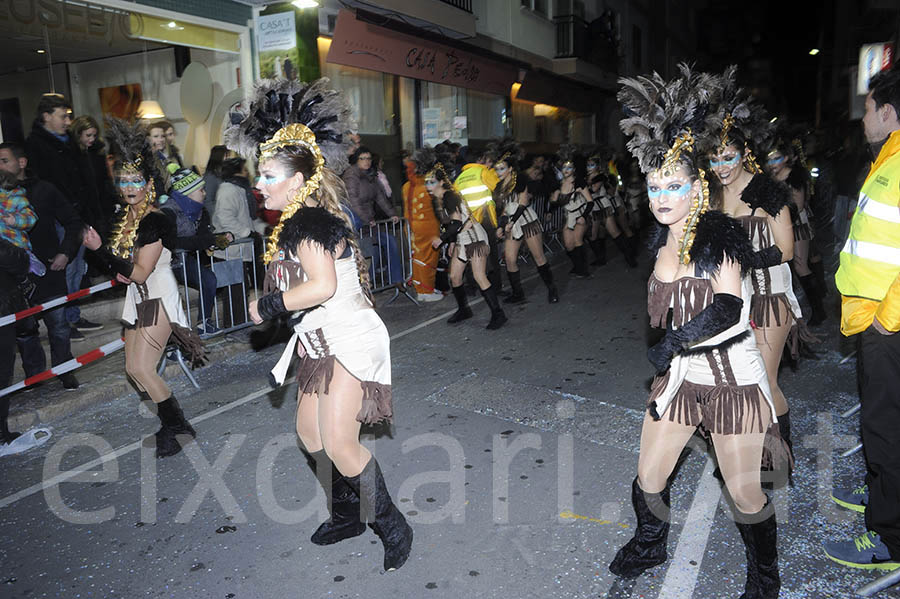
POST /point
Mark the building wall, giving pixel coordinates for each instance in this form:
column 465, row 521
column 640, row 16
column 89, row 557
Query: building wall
column 507, row 22
column 29, row 87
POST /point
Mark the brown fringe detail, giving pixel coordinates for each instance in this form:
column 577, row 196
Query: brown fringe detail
column 757, row 229
column 766, row 308
column 800, row 335
column 693, row 296
column 314, row 376
column 479, row 248
column 291, row 270
column 657, row 387
column 148, row 312
column 531, row 229
column 377, row 403
column 777, row 455
column 802, row 232
column 190, row 344
column 719, row 409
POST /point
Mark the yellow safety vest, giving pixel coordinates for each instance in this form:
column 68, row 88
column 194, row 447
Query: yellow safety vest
column 870, row 259
column 476, row 185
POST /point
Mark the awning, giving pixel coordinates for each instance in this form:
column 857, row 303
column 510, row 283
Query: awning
column 544, row 88
column 367, row 46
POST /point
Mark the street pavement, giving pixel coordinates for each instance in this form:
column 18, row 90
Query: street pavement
column 512, row 454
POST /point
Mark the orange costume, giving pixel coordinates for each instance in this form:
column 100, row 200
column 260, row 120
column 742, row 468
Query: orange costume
column 425, row 227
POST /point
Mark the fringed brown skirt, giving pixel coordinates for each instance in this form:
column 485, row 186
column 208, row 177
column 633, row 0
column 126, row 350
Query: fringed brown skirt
column 187, row 340
column 315, row 375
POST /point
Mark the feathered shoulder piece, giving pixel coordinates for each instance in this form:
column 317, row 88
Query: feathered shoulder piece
column 717, row 235
column 736, row 110
column 155, row 226
column 509, row 151
column 798, row 178
column 663, row 118
column 279, row 103
column 314, row 224
column 766, row 193
column 129, row 144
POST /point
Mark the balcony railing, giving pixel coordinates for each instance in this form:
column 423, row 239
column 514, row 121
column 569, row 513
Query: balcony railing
column 574, row 39
column 465, row 5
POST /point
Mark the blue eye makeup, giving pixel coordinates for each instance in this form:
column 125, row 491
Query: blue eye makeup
column 263, row 180
column 677, row 192
column 774, row 161
column 729, row 162
column 134, row 184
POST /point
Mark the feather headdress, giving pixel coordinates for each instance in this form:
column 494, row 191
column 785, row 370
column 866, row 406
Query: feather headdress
column 509, row 151
column 285, row 112
column 430, row 161
column 566, row 153
column 129, row 144
column 662, row 117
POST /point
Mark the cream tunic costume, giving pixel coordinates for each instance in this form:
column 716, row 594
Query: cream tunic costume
column 527, row 225
column 602, row 204
column 472, row 239
column 162, row 285
column 575, row 206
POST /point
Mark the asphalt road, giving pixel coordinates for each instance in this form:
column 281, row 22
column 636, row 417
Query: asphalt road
column 512, row 454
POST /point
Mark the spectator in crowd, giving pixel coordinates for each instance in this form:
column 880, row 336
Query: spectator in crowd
column 55, row 158
column 364, row 191
column 194, row 234
column 378, row 167
column 156, row 134
column 86, row 132
column 172, row 152
column 52, row 211
column 212, row 176
column 16, row 215
column 232, row 215
column 14, row 264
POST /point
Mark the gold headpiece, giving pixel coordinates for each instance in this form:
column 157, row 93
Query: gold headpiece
column 727, row 124
column 699, row 206
column 683, row 143
column 438, row 168
column 296, row 134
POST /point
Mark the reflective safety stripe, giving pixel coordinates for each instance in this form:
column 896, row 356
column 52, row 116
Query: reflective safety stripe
column 872, row 251
column 479, row 202
column 474, row 189
column 870, row 207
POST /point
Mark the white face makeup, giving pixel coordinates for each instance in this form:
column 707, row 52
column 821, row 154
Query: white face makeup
column 433, row 186
column 568, row 169
column 274, row 184
column 727, row 164
column 502, row 169
column 670, row 196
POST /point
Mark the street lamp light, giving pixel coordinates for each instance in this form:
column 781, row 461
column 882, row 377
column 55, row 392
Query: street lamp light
column 814, row 51
column 305, row 3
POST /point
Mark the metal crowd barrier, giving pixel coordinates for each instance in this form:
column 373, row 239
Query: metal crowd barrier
column 553, row 219
column 387, row 247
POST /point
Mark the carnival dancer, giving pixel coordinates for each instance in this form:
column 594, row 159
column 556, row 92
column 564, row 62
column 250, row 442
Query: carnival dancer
column 785, row 163
column 603, row 217
column 519, row 221
column 300, row 133
column 425, row 227
column 475, row 183
column 574, row 197
column 762, row 205
column 710, row 372
column 467, row 239
column 139, row 252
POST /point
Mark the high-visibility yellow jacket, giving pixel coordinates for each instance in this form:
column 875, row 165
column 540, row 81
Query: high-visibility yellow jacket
column 476, row 184
column 869, row 274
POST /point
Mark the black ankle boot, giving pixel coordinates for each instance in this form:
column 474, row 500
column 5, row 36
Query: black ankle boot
column 648, row 547
column 815, row 300
column 515, row 283
column 174, row 426
column 463, row 310
column 626, row 250
column 382, row 515
column 760, row 546
column 342, row 501
column 497, row 315
column 547, row 277
column 598, row 246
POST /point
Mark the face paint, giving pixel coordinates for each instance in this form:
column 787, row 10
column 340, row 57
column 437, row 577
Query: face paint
column 775, row 160
column 132, row 183
column 568, row 168
column 674, row 190
column 729, row 162
column 273, row 180
column 501, row 169
column 591, row 166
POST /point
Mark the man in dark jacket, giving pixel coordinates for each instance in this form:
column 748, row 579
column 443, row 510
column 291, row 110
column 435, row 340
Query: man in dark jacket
column 51, row 207
column 55, row 158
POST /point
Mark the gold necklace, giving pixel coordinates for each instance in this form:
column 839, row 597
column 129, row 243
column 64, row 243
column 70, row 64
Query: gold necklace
column 121, row 242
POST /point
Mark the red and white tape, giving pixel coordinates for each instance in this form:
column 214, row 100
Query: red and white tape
column 11, row 318
column 67, row 366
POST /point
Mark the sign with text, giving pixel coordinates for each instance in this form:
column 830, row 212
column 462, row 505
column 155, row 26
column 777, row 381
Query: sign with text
column 366, row 46
column 873, row 58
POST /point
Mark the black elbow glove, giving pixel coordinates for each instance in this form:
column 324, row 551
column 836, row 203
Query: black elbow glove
column 764, row 258
column 722, row 313
column 518, row 214
column 116, row 264
column 451, row 230
column 271, row 305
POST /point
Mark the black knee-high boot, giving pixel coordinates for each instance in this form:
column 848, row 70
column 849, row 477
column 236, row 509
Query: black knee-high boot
column 626, row 250
column 818, row 269
column 598, row 246
column 815, row 299
column 648, row 547
column 572, row 256
column 515, row 283
column 498, row 317
column 761, row 547
column 174, row 425
column 583, row 269
column 547, row 277
column 463, row 310
column 342, row 501
column 382, row 515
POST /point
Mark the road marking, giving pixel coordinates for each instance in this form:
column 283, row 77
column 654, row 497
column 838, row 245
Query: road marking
column 569, row 515
column 681, row 575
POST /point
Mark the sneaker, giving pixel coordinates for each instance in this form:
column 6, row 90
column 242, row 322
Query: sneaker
column 852, row 499
column 865, row 551
column 86, row 325
column 69, row 382
column 76, row 335
column 434, row 296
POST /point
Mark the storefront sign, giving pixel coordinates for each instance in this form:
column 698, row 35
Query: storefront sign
column 873, row 58
column 359, row 44
column 66, row 21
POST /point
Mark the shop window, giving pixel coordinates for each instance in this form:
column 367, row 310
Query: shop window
column 445, row 114
column 370, row 94
column 486, row 115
